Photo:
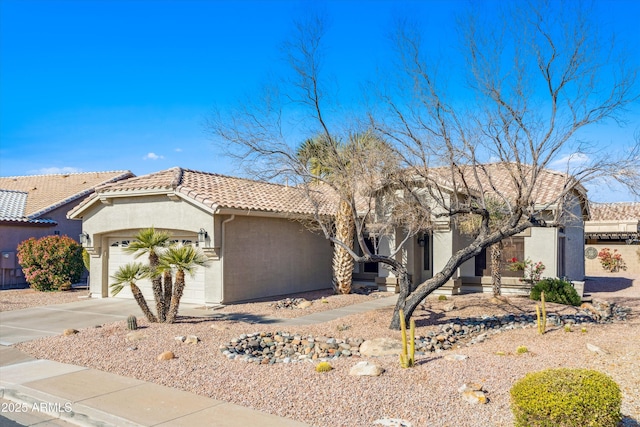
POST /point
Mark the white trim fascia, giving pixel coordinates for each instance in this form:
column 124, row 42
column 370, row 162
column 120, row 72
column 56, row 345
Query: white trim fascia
column 208, row 208
column 259, row 213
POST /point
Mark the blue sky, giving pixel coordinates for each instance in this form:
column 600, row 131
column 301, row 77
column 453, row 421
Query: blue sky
column 109, row 85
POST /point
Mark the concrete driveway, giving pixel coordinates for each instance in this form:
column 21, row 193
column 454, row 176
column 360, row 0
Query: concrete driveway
column 32, row 323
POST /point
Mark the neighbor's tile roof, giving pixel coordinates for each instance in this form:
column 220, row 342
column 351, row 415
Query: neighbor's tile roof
column 47, row 192
column 623, row 211
column 222, row 191
column 497, row 177
column 12, row 204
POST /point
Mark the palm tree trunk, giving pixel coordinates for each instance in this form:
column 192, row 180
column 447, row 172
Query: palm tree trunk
column 496, row 268
column 342, row 261
column 178, row 289
column 156, row 285
column 137, row 295
column 168, row 291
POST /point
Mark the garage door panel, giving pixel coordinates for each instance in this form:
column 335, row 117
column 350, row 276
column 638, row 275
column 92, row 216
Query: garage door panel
column 194, row 288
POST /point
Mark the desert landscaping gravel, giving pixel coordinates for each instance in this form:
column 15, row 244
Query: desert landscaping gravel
column 425, row 395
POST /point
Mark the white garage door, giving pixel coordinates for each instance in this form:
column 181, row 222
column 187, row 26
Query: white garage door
column 194, row 289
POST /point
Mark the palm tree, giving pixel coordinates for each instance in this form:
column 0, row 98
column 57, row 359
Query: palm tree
column 181, row 259
column 129, row 274
column 151, row 242
column 320, row 155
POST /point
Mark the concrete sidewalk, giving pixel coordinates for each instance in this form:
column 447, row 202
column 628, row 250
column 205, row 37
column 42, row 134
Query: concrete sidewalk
column 44, row 392
column 90, row 397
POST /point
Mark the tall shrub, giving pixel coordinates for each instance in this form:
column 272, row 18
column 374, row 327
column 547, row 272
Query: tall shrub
column 51, row 263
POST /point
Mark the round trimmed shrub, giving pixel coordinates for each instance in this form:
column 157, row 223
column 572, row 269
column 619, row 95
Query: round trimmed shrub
column 51, row 263
column 556, row 290
column 566, row 398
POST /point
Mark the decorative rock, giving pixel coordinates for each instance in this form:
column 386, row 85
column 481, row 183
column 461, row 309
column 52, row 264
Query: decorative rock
column 393, row 422
column 191, row 339
column 456, row 357
column 470, row 387
column 167, row 355
column 68, row 332
column 366, row 369
column 449, row 307
column 135, row 336
column 474, row 396
column 381, row 347
column 304, row 304
column 595, row 349
column 180, row 338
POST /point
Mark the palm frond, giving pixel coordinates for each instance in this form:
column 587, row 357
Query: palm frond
column 148, row 240
column 183, row 258
column 127, row 274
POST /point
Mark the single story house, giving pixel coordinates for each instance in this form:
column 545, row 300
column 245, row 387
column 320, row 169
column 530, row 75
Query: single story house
column 615, row 226
column 560, row 249
column 257, row 247
column 247, row 229
column 36, row 206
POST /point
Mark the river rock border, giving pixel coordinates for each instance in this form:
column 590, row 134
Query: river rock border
column 284, row 347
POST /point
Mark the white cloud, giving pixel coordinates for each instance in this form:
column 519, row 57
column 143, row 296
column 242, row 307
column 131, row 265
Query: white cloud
column 152, row 156
column 178, row 150
column 572, row 160
column 55, row 170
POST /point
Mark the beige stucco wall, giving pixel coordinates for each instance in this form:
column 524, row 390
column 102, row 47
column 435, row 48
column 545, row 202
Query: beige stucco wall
column 272, row 256
column 629, row 256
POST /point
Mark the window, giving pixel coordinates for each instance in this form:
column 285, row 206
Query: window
column 512, row 247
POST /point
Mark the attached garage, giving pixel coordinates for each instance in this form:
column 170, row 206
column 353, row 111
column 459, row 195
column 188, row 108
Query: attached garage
column 249, row 231
column 118, row 256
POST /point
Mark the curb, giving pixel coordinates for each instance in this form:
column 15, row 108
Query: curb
column 72, row 412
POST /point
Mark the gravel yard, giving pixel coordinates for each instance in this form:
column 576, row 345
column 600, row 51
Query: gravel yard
column 426, row 395
column 17, row 299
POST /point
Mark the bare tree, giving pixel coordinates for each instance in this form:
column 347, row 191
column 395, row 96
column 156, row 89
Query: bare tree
column 535, row 78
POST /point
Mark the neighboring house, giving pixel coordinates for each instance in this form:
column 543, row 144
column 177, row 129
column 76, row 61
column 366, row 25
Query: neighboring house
column 560, row 249
column 615, row 226
column 36, row 206
column 248, row 230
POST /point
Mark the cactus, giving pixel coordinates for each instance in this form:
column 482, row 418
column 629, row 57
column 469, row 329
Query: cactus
column 132, row 323
column 323, row 367
column 541, row 314
column 407, row 358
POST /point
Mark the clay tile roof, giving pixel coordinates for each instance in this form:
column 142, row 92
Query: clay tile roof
column 623, row 211
column 47, row 192
column 550, row 184
column 12, row 204
column 215, row 190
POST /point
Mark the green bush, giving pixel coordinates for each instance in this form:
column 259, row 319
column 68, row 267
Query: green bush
column 566, row 398
column 556, row 290
column 51, row 263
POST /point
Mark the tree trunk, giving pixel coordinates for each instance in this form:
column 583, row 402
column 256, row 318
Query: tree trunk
column 137, row 295
column 168, row 291
column 408, row 301
column 156, row 285
column 496, row 268
column 403, row 281
column 342, row 261
column 178, row 289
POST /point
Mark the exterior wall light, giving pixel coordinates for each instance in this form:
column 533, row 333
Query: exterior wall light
column 84, row 238
column 421, row 240
column 202, row 236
